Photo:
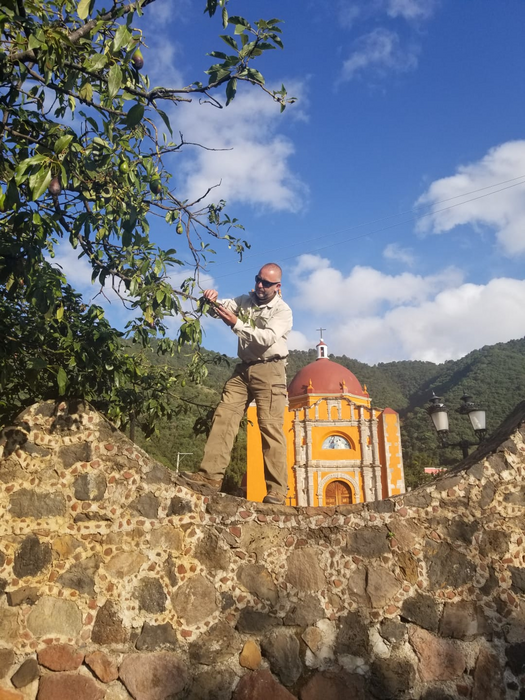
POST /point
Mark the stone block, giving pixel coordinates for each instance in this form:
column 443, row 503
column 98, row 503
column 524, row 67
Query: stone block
column 334, row 685
column 258, row 581
column 60, row 657
column 7, row 657
column 216, row 646
column 304, row 572
column 210, row 552
column 250, row 656
column 408, row 565
column 109, row 627
column 422, row 610
column 518, row 578
column 69, row 455
column 391, row 678
column 25, row 503
column 352, row 635
column 254, row 622
column 179, row 506
column 195, row 600
column 447, row 566
column 515, row 654
column 90, row 487
column 64, row 686
column 81, row 576
column 368, row 542
column 150, row 595
column 52, row 617
column 488, row 677
column 381, row 586
column 32, row 557
column 26, row 673
column 461, row 530
column 27, row 595
column 260, row 685
column 167, row 538
column 281, row 648
column 305, row 612
column 420, row 498
column 439, row 659
column 155, row 637
column 212, row 684
column 124, row 564
column 493, row 543
column 463, row 620
column 104, row 667
column 392, row 631
column 146, row 505
column 155, row 676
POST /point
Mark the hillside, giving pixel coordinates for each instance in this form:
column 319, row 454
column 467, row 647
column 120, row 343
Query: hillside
column 493, row 375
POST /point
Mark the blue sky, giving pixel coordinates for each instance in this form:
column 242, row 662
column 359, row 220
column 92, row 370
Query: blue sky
column 392, row 193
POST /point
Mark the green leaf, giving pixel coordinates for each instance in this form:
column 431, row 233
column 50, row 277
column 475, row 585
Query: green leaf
column 224, row 17
column 39, row 182
column 61, row 381
column 239, row 29
column 134, row 116
column 230, row 41
column 83, row 8
column 122, row 37
column 165, row 119
column 255, row 75
column 114, row 80
column 231, row 89
column 62, row 143
column 239, row 21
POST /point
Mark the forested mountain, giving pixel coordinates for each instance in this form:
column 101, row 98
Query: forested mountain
column 494, row 376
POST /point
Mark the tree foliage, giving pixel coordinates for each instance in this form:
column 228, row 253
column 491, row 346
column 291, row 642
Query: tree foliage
column 84, row 140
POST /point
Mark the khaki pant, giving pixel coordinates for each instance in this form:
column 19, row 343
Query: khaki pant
column 266, row 384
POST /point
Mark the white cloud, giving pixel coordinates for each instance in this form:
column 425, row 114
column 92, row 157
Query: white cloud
column 365, row 290
column 298, row 341
column 502, row 211
column 381, row 51
column 376, row 317
column 348, row 13
column 255, row 166
column 411, row 9
column 394, row 251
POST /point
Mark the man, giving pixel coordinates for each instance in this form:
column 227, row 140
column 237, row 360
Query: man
column 261, row 321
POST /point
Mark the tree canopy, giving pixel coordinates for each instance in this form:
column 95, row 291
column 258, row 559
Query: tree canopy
column 83, row 145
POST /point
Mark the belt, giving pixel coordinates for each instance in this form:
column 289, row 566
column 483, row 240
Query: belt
column 276, row 358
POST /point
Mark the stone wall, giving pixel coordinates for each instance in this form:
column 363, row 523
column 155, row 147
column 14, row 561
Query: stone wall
column 119, row 581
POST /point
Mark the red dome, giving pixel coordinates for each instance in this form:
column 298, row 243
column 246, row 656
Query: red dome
column 324, row 377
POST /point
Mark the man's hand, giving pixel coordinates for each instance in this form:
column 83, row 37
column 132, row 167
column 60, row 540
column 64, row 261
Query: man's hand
column 210, row 294
column 229, row 318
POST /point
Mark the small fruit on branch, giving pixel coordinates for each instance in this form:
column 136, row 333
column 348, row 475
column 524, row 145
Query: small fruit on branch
column 54, row 187
column 138, row 59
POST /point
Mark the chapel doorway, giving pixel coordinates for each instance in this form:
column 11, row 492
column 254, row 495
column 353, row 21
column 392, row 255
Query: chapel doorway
column 338, row 494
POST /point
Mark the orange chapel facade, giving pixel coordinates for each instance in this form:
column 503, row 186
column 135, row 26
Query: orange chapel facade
column 340, row 449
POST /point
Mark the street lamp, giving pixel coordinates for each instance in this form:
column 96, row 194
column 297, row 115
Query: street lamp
column 438, row 413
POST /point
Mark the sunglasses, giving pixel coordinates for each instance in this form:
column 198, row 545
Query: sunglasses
column 265, row 283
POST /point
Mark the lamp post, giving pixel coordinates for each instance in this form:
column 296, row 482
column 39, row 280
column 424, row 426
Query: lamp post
column 438, row 413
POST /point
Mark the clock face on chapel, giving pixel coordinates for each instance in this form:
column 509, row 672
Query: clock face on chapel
column 336, row 442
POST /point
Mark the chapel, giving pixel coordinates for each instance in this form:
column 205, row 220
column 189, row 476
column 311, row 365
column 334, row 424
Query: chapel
column 340, row 449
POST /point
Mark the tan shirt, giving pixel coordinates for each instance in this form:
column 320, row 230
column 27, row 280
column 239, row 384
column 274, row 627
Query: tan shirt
column 262, row 331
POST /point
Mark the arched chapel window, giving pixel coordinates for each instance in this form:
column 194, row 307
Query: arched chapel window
column 336, row 442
